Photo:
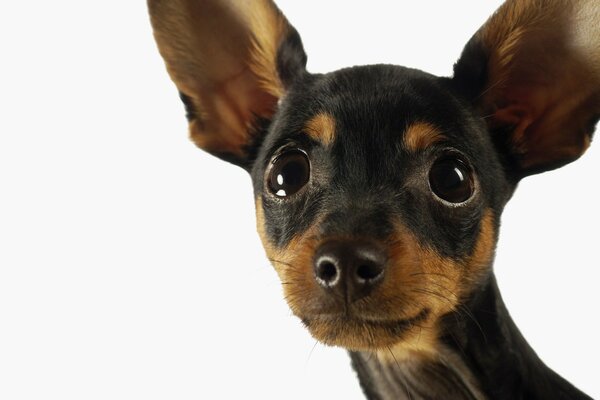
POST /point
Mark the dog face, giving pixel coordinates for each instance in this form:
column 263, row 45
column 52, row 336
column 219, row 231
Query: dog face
column 378, row 222
column 379, row 189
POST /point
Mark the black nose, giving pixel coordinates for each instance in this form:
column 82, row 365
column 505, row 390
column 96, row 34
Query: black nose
column 349, row 268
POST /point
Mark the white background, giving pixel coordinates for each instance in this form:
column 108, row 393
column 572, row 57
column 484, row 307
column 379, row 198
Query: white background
column 129, row 263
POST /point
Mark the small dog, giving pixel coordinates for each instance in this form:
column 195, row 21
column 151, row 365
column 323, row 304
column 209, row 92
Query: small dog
column 379, row 189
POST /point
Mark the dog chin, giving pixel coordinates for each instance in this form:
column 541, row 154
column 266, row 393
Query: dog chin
column 358, row 334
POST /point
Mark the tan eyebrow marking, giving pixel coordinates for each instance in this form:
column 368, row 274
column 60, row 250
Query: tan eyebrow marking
column 420, row 136
column 321, row 128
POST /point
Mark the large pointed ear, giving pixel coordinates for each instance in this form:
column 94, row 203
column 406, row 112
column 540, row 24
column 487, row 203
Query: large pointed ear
column 231, row 61
column 533, row 71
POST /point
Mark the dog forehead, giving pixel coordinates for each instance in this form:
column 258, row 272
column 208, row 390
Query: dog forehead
column 367, row 121
column 378, row 102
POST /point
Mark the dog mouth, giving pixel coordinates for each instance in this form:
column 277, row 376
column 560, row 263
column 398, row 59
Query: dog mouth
column 359, row 333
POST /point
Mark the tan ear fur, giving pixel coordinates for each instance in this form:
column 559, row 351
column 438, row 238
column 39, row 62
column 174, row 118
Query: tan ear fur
column 222, row 55
column 543, row 78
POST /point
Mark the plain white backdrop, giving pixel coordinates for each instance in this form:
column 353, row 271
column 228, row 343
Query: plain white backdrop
column 129, row 263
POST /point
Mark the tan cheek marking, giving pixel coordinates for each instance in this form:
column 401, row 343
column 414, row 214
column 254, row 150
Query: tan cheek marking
column 478, row 263
column 426, row 279
column 260, row 227
column 423, row 279
column 273, row 253
column 420, row 136
column 439, row 284
column 321, row 128
column 292, row 262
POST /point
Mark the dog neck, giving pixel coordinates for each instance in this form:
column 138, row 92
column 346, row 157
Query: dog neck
column 481, row 356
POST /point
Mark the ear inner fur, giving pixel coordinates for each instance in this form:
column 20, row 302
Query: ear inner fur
column 542, row 78
column 222, row 55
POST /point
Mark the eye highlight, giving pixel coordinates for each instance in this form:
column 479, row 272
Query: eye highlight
column 289, row 172
column 451, row 180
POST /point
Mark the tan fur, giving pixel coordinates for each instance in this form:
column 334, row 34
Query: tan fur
column 417, row 278
column 444, row 282
column 420, row 136
column 268, row 27
column 321, row 128
column 420, row 343
column 293, row 263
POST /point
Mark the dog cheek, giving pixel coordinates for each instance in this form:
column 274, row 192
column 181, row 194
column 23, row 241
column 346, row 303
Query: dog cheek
column 478, row 264
column 293, row 264
column 421, row 278
column 452, row 281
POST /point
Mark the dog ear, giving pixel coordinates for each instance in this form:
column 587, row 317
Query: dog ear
column 231, row 60
column 533, row 72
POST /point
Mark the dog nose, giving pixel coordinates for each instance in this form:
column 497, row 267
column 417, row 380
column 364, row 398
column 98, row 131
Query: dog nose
column 349, row 268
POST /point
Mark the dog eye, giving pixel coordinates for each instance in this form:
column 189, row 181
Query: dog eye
column 451, row 179
column 289, row 173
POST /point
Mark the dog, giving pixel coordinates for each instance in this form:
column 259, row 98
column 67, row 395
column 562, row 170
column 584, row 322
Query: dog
column 379, row 189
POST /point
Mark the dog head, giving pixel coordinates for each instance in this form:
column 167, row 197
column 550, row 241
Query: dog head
column 379, row 188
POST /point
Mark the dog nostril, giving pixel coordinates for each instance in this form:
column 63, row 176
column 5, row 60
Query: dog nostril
column 368, row 272
column 327, row 272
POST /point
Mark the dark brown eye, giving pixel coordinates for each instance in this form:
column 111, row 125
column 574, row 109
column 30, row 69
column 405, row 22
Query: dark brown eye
column 289, row 173
column 451, row 180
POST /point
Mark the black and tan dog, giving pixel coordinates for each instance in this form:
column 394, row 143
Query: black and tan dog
column 379, row 189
